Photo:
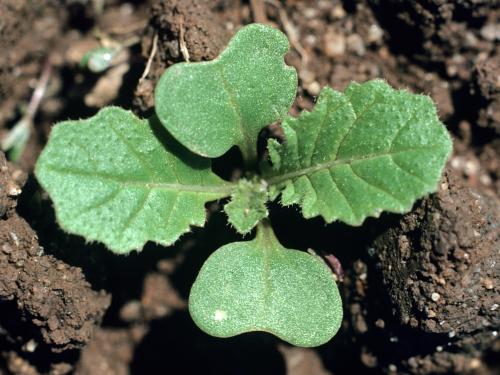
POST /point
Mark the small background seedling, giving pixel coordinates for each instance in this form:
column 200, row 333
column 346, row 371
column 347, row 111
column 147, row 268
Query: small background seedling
column 124, row 181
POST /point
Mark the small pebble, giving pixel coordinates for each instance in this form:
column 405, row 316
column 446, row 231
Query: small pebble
column 470, row 40
column 338, row 12
column 456, row 162
column 474, row 363
column 485, row 179
column 53, row 323
column 307, row 76
column 310, row 13
column 14, row 238
column 471, row 167
column 435, row 296
column 126, row 9
column 60, row 266
column 30, row 346
column 487, row 283
column 314, row 88
column 452, row 70
column 375, row 33
column 310, row 40
column 334, row 44
column 491, row 32
column 6, row 248
column 355, row 44
column 131, row 311
column 412, row 361
column 13, row 190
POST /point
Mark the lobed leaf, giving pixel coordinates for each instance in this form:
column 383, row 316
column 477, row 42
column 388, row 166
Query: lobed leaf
column 123, row 181
column 261, row 286
column 356, row 154
column 211, row 106
column 247, row 206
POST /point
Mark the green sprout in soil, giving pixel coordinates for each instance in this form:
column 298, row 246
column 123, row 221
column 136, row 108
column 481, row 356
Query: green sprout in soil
column 123, row 181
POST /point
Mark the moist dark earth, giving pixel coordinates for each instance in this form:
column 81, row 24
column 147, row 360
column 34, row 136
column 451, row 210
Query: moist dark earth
column 421, row 290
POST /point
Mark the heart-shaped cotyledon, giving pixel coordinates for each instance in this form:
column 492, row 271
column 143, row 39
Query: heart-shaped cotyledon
column 259, row 285
column 211, row 106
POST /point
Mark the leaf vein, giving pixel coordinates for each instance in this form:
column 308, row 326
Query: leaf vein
column 331, row 163
column 86, row 151
column 393, row 141
column 328, row 113
column 420, row 179
column 148, row 167
column 135, row 211
column 234, row 103
column 171, row 213
column 354, row 123
column 106, row 199
column 311, row 186
column 342, row 193
column 322, row 197
column 369, row 183
column 208, row 189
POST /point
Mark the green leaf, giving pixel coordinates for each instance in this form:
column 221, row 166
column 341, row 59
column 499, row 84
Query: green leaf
column 211, row 106
column 248, row 205
column 370, row 149
column 123, row 181
column 261, row 286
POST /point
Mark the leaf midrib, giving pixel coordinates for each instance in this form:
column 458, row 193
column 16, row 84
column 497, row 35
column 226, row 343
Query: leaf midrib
column 224, row 190
column 233, row 102
column 331, row 163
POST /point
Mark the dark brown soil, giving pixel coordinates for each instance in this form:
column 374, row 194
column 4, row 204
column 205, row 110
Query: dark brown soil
column 439, row 266
column 421, row 290
column 203, row 33
column 28, row 30
column 46, row 305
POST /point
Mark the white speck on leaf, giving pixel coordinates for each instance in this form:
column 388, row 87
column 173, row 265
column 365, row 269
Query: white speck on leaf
column 220, row 315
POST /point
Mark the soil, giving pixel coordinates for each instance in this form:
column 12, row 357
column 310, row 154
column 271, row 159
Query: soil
column 439, row 266
column 420, row 290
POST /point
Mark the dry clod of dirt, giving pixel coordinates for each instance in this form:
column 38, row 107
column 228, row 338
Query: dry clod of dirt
column 51, row 296
column 487, row 84
column 186, row 30
column 110, row 352
column 193, row 23
column 159, row 299
column 446, row 255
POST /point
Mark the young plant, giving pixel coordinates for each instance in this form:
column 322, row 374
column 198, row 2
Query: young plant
column 123, row 181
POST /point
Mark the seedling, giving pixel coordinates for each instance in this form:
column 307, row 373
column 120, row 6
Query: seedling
column 108, row 54
column 123, row 181
column 17, row 138
column 99, row 59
